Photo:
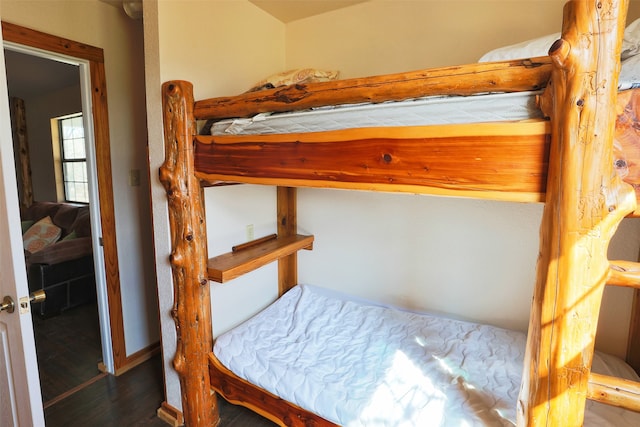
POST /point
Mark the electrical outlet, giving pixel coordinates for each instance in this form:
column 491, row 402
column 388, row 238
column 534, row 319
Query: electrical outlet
column 249, row 232
column 134, row 177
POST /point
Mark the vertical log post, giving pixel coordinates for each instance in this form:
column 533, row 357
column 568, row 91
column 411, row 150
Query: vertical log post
column 192, row 308
column 287, row 226
column 21, row 148
column 585, row 202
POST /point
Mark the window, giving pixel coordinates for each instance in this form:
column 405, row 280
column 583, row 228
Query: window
column 73, row 158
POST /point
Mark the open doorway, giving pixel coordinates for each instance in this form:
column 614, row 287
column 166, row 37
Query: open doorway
column 53, row 179
column 90, row 61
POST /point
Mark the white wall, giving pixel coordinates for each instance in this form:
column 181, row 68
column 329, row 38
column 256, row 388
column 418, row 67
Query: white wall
column 469, row 258
column 107, row 27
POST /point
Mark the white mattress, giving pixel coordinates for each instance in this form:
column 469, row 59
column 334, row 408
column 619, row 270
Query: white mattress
column 357, row 364
column 433, row 110
column 416, row 112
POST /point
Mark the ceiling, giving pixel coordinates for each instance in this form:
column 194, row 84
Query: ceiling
column 291, row 10
column 283, row 10
column 28, row 75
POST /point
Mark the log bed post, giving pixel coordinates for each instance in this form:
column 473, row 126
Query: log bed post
column 585, row 201
column 287, row 226
column 192, row 307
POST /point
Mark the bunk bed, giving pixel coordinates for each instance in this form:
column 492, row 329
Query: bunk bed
column 566, row 158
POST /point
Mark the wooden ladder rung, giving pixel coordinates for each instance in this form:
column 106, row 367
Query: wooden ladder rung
column 624, row 273
column 614, row 391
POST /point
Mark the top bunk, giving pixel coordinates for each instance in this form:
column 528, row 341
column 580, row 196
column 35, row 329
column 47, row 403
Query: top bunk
column 499, row 150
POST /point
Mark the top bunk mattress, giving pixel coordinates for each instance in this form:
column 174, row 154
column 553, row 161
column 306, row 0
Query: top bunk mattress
column 434, row 110
column 359, row 364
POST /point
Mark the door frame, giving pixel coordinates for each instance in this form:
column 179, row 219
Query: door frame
column 95, row 58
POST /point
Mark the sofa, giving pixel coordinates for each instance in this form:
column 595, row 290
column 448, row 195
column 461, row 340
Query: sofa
column 62, row 266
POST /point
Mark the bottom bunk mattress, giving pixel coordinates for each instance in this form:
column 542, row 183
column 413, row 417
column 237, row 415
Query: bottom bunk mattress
column 360, row 364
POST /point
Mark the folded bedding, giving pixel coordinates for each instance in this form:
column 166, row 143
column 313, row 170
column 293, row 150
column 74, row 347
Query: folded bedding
column 356, row 363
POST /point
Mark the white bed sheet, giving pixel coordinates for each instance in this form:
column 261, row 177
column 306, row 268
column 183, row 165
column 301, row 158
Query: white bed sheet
column 358, row 364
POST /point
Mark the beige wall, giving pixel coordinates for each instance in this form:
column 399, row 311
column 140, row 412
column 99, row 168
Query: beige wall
column 390, row 36
column 236, row 44
column 473, row 259
column 469, row 258
column 107, row 27
column 40, row 110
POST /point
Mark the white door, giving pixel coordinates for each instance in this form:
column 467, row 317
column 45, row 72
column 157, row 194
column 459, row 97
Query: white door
column 20, row 399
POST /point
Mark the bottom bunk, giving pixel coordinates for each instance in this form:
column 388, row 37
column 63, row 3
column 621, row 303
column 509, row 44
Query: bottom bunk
column 354, row 363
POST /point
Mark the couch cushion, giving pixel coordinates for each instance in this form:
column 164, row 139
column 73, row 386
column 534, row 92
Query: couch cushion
column 65, row 217
column 40, row 235
column 82, row 224
column 62, row 251
column 39, row 210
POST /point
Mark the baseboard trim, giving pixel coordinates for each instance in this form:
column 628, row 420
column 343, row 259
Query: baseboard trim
column 135, row 359
column 170, row 415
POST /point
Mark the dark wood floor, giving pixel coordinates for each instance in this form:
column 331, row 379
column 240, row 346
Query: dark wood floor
column 132, row 399
column 69, row 349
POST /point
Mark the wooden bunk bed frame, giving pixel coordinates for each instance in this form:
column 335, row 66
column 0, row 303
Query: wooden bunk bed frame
column 567, row 162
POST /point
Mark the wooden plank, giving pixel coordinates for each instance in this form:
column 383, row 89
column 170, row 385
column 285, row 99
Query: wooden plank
column 626, row 145
column 241, row 392
column 585, row 202
column 624, row 273
column 192, row 304
column 614, row 391
column 21, row 147
column 287, row 227
column 504, row 161
column 633, row 342
column 225, row 267
column 509, row 76
column 28, row 37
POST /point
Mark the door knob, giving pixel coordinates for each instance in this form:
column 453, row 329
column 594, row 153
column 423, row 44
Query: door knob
column 38, row 296
column 8, row 305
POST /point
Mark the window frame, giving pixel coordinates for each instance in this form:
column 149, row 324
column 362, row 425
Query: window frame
column 63, row 160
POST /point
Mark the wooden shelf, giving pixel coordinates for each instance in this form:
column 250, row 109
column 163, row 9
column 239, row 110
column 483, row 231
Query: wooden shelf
column 228, row 266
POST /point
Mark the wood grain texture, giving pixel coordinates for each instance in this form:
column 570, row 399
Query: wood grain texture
column 287, row 227
column 505, row 161
column 225, row 267
column 509, row 76
column 585, row 201
column 28, row 37
column 236, row 390
column 192, row 308
column 614, row 391
column 21, row 148
column 633, row 341
column 107, row 213
column 624, row 273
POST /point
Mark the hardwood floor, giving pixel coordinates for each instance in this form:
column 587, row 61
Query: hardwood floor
column 68, row 348
column 132, row 399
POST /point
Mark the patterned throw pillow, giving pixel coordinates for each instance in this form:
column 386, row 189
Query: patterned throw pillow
column 297, row 76
column 40, row 235
column 26, row 224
